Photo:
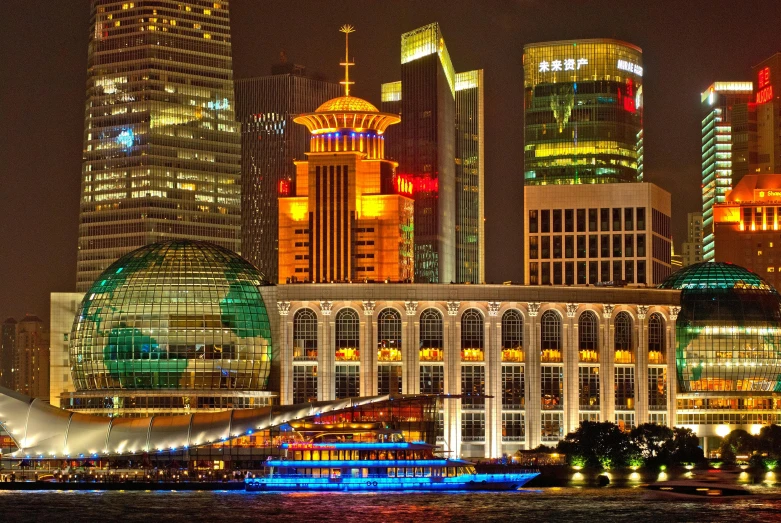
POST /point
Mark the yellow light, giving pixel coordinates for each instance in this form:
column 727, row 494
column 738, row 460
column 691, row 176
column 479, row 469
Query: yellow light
column 722, row 430
column 298, row 211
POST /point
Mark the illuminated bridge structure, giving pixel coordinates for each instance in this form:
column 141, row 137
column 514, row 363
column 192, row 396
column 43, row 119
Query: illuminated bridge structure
column 41, row 431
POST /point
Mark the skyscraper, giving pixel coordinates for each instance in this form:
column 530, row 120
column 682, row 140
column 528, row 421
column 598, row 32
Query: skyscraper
column 583, row 112
column 270, row 143
column 31, row 361
column 439, row 145
column 7, row 353
column 720, row 102
column 692, row 247
column 161, row 144
column 768, row 107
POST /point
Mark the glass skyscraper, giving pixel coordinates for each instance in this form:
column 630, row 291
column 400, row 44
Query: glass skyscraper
column 583, row 112
column 718, row 149
column 161, row 144
column 270, row 143
column 439, row 144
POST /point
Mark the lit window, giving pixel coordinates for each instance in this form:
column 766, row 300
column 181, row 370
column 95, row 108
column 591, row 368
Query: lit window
column 196, row 26
column 771, row 269
column 217, row 6
column 209, row 37
column 207, row 11
column 759, row 253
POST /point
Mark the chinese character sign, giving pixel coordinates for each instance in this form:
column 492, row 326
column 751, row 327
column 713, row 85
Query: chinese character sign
column 568, row 64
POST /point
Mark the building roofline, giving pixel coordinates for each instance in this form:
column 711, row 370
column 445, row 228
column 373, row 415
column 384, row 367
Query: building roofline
column 583, row 41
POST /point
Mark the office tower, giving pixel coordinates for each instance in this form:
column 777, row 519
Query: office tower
column 692, row 248
column 722, row 148
column 31, row 359
column 768, row 107
column 442, row 127
column 470, row 178
column 270, row 143
column 746, row 226
column 616, row 233
column 583, row 112
column 63, row 307
column 7, row 352
column 161, row 144
column 350, row 216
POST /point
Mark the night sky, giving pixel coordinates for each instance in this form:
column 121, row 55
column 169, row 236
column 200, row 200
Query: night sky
column 687, row 44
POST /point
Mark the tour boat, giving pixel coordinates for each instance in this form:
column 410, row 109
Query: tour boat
column 694, row 490
column 389, row 463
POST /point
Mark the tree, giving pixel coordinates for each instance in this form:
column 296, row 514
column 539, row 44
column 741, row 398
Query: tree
column 598, row 445
column 770, row 440
column 738, row 442
column 684, row 447
column 653, row 442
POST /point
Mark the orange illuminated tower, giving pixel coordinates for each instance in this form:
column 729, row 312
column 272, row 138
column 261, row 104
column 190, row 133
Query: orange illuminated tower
column 351, row 217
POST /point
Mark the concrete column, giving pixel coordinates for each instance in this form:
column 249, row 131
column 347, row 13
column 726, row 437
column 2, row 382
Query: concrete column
column 493, row 382
column 672, row 372
column 533, row 393
column 285, row 353
column 325, row 353
column 368, row 350
column 410, row 356
column 452, row 407
column 607, row 357
column 571, row 377
column 641, row 367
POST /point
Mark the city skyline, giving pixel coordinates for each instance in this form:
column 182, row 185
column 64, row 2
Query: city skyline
column 40, row 149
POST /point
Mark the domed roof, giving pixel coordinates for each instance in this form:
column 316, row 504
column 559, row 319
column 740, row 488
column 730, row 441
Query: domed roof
column 177, row 314
column 716, row 276
column 347, row 103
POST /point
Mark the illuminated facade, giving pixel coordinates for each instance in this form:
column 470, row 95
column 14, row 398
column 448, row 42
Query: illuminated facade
column 350, row 216
column 424, row 145
column 583, row 112
column 24, row 357
column 270, row 143
column 175, row 325
column 726, row 350
column 692, row 247
column 161, row 144
column 720, row 145
column 767, row 97
column 617, row 233
column 7, row 349
column 746, row 226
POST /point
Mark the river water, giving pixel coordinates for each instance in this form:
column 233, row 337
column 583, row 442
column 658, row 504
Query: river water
column 549, row 504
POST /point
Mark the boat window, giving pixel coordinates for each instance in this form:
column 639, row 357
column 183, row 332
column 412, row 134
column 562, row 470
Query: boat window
column 307, row 455
column 297, row 455
column 418, row 472
column 436, row 472
column 315, row 455
column 391, row 472
column 383, row 455
column 427, row 472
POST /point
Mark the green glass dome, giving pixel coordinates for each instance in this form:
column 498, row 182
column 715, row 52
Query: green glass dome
column 176, row 314
column 728, row 332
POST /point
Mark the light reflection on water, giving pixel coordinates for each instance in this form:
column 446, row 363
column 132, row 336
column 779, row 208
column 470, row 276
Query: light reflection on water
column 566, row 504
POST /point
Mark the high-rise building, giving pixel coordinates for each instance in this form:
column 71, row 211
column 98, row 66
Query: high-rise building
column 440, row 145
column 7, row 353
column 31, row 361
column 583, row 112
column 350, row 216
column 617, row 233
column 722, row 147
column 63, row 307
column 692, row 248
column 470, row 178
column 270, row 143
column 161, row 144
column 746, row 226
column 768, row 107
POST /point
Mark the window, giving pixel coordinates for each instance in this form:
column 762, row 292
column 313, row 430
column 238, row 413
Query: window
column 569, row 220
column 593, row 246
column 604, row 219
column 629, row 222
column 432, row 379
column 581, row 220
column 473, row 426
column 512, row 336
column 472, row 386
column 389, row 335
column 588, row 345
column 304, row 383
column 616, row 219
column 605, row 246
column 592, row 220
column 617, row 244
column 657, row 388
column 557, row 220
column 545, row 219
column 513, row 383
column 533, row 247
column 581, row 246
column 533, row 226
column 552, row 426
column 569, row 247
column 640, row 218
column 588, row 378
column 557, row 247
column 346, row 380
column 305, row 335
column 545, row 247
column 629, row 245
column 472, row 335
column 431, row 335
column 625, row 388
column 551, row 337
column 389, row 379
column 347, row 339
column 552, row 387
column 513, row 426
column 623, row 338
column 656, row 347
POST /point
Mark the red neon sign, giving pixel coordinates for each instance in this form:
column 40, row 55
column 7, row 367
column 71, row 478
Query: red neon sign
column 408, row 184
column 284, row 187
column 404, row 185
column 765, row 92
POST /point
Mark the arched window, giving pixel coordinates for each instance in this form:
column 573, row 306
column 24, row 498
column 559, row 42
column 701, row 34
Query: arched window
column 431, row 335
column 512, row 336
column 305, row 335
column 472, row 343
column 551, row 337
column 656, row 348
column 588, row 337
column 623, row 338
column 389, row 335
column 347, row 340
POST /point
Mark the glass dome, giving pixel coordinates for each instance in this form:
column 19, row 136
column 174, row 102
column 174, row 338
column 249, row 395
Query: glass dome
column 728, row 332
column 177, row 314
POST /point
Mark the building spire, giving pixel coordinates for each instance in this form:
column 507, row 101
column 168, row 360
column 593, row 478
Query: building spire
column 346, row 29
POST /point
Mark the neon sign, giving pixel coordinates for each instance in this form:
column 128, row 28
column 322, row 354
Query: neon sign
column 625, row 65
column 404, row 185
column 126, row 138
column 765, row 90
column 283, row 188
column 569, row 64
column 218, row 104
column 309, row 446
